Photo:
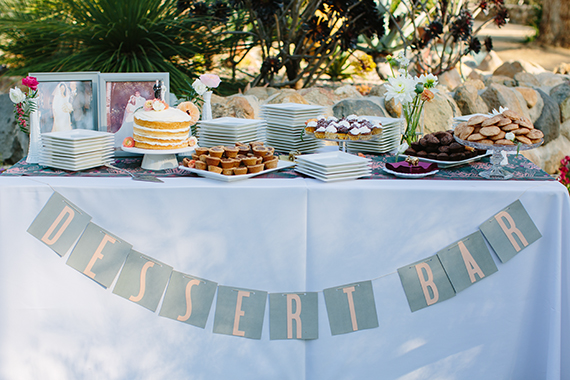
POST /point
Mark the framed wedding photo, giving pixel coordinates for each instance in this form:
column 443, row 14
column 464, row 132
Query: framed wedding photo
column 120, row 95
column 67, row 100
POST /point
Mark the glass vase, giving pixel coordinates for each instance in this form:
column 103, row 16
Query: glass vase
column 35, row 143
column 207, row 107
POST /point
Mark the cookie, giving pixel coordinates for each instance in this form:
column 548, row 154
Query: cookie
column 476, row 120
column 511, row 115
column 524, row 140
column 463, row 131
column 510, row 127
column 524, row 122
column 486, row 142
column 521, row 131
column 500, row 136
column 490, row 131
column 504, row 142
column 475, row 137
column 504, row 121
column 491, row 121
column 535, row 134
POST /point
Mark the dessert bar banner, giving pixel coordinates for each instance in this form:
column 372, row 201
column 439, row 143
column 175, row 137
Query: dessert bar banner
column 293, row 316
column 509, row 231
column 188, row 299
column 142, row 280
column 65, row 223
column 104, row 257
column 99, row 255
column 351, row 307
column 239, row 312
column 425, row 283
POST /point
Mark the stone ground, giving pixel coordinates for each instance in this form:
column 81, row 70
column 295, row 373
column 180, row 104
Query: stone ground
column 509, row 42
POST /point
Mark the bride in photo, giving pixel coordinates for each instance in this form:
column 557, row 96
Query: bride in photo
column 62, row 108
column 135, row 102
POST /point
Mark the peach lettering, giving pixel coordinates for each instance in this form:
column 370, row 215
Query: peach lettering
column 239, row 313
column 98, row 255
column 509, row 231
column 189, row 286
column 470, row 263
column 296, row 316
column 348, row 291
column 66, row 211
column 146, row 266
column 427, row 283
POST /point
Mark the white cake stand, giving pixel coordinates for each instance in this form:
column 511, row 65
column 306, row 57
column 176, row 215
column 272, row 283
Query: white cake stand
column 159, row 159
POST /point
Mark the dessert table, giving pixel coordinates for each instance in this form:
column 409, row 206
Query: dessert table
column 286, row 235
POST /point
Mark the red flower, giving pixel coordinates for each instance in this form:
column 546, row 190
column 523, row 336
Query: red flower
column 30, row 82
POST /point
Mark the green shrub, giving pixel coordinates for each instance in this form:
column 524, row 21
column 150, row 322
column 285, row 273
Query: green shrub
column 104, row 35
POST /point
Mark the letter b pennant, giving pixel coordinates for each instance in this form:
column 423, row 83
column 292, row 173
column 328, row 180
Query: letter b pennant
column 425, row 283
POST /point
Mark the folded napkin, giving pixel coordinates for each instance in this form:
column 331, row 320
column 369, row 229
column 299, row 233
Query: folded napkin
column 406, row 167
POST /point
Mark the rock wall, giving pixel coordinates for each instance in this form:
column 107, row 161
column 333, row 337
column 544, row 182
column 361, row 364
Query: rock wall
column 542, row 96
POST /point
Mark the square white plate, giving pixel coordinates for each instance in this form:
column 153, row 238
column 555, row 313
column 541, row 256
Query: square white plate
column 344, row 177
column 333, row 159
column 77, row 135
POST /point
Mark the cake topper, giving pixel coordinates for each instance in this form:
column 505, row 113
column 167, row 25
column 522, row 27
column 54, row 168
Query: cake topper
column 157, row 89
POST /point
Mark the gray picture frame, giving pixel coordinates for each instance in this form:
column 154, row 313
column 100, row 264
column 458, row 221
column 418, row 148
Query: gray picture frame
column 116, row 91
column 76, row 104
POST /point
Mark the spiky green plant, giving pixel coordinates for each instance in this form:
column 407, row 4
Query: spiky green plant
column 103, row 35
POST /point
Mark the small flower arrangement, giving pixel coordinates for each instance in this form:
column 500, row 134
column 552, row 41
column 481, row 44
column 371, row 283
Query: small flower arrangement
column 200, row 86
column 155, row 105
column 411, row 92
column 564, row 177
column 24, row 106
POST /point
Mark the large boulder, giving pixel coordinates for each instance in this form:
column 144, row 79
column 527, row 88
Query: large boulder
column 561, row 95
column 497, row 96
column 509, row 69
column 439, row 113
column 13, row 143
column 243, row 106
column 565, row 130
column 530, row 96
column 491, row 62
column 378, row 90
column 359, row 106
column 322, row 96
column 262, row 93
column 450, row 79
column 468, row 100
column 548, row 80
column 393, row 108
column 286, row 95
column 548, row 156
column 347, row 91
column 526, row 79
column 500, row 79
column 549, row 120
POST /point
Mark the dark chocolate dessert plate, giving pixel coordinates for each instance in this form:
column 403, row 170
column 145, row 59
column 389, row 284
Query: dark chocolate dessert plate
column 450, row 164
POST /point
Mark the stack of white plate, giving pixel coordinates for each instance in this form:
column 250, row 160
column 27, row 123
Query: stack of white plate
column 388, row 141
column 229, row 130
column 286, row 124
column 333, row 166
column 78, row 149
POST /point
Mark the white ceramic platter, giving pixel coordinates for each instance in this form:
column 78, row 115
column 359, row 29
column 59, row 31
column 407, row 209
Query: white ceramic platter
column 450, row 164
column 332, row 178
column 232, row 178
column 332, row 159
column 409, row 175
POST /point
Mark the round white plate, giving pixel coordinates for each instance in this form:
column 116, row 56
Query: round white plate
column 409, row 175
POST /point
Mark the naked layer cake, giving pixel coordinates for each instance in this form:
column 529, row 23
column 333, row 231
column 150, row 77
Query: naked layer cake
column 168, row 128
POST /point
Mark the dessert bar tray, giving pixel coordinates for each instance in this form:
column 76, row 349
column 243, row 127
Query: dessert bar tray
column 232, row 178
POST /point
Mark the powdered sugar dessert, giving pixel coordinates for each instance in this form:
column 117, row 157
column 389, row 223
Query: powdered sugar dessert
column 351, row 127
column 161, row 127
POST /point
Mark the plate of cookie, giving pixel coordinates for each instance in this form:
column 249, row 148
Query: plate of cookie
column 442, row 149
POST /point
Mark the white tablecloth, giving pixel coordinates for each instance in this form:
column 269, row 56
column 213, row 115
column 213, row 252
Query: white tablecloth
column 286, row 235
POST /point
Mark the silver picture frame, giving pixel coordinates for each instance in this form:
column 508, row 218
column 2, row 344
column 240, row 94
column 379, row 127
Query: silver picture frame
column 68, row 100
column 120, row 94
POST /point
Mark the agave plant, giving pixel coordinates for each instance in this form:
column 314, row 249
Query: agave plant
column 103, row 35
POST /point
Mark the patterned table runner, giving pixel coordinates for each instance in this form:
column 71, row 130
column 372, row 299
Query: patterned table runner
column 522, row 168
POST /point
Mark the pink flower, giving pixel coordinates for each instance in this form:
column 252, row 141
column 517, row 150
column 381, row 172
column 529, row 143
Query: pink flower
column 210, row 80
column 30, row 82
column 147, row 105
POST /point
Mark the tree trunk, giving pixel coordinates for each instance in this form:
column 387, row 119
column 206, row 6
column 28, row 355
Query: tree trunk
column 555, row 23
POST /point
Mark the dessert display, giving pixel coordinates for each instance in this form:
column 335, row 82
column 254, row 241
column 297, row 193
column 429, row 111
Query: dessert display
column 160, row 127
column 352, row 127
column 493, row 130
column 234, row 160
column 441, row 146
